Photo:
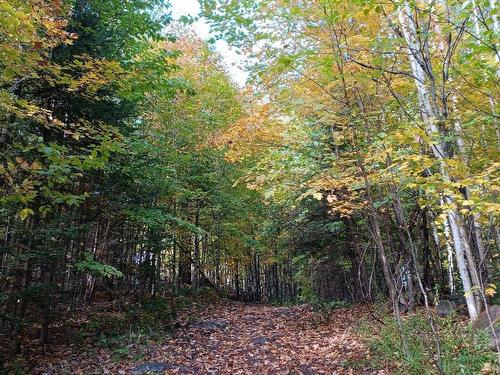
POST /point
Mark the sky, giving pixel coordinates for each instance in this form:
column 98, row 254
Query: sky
column 232, row 60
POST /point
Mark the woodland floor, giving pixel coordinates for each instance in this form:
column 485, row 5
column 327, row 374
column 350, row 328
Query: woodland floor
column 236, row 338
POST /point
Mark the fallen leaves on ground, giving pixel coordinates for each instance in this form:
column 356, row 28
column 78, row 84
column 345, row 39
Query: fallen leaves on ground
column 237, row 338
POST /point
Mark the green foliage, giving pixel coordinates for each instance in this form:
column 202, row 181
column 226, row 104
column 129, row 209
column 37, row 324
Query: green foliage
column 302, row 277
column 94, row 268
column 128, row 154
column 109, row 324
column 120, row 353
column 464, row 350
column 18, row 365
column 153, row 314
column 152, row 317
column 325, row 307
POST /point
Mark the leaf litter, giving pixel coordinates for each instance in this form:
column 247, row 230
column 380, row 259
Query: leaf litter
column 237, row 338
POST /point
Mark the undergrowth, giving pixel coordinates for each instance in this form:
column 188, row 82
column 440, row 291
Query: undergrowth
column 464, row 350
column 124, row 329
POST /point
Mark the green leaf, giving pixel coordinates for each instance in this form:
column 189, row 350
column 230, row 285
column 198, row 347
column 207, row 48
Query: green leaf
column 25, row 212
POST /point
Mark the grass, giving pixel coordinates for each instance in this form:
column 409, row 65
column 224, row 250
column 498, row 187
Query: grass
column 464, row 350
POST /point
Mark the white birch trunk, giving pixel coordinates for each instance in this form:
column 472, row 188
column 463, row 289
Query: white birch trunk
column 429, row 117
column 449, row 253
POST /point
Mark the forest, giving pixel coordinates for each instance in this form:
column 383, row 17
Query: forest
column 336, row 214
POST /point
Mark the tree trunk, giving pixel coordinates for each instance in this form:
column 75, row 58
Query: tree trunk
column 430, row 116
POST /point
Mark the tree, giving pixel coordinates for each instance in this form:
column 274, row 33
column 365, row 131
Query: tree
column 394, row 129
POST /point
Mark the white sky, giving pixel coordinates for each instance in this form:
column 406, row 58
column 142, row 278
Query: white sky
column 232, row 60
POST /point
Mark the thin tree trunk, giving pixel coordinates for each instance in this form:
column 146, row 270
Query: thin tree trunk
column 430, row 116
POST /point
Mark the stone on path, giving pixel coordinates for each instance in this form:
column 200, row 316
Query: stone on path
column 261, row 340
column 159, row 368
column 211, row 325
column 151, row 367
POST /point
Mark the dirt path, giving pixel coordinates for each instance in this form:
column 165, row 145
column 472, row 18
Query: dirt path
column 256, row 339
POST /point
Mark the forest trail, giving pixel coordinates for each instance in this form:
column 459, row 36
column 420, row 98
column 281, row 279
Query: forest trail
column 239, row 338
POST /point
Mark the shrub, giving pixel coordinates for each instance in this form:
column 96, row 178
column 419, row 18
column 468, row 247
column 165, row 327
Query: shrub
column 109, row 324
column 325, row 307
column 153, row 315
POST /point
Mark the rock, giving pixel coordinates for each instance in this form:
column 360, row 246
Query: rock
column 305, row 369
column 490, row 321
column 261, row 340
column 445, row 308
column 211, row 325
column 152, row 367
column 460, row 304
column 483, row 321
